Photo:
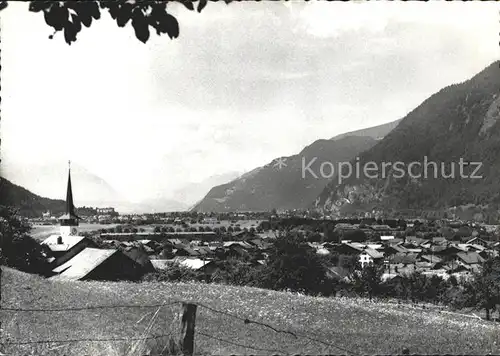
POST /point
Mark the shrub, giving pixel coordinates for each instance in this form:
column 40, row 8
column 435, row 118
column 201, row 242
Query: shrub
column 18, row 249
column 236, row 272
column 174, row 272
column 293, row 265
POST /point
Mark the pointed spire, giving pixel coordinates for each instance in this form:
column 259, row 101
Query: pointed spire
column 70, row 216
column 70, row 208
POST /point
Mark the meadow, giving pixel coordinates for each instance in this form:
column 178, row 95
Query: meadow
column 40, row 232
column 282, row 322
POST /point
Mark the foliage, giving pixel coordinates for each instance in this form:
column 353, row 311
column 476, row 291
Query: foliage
column 174, row 272
column 69, row 16
column 28, row 204
column 355, row 235
column 368, row 280
column 236, row 272
column 18, row 249
column 292, row 265
column 484, row 291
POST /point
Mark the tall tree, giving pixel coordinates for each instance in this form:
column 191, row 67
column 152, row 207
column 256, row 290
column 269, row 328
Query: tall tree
column 293, row 265
column 17, row 248
column 369, row 280
column 485, row 291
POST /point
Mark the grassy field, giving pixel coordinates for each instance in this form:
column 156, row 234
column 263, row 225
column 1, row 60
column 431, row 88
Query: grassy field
column 41, row 232
column 320, row 325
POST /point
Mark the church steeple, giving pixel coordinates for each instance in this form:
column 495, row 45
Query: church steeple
column 70, row 208
column 69, row 220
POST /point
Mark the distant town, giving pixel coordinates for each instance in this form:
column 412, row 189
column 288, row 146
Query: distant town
column 199, row 241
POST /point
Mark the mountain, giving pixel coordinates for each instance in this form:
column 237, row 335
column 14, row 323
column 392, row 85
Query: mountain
column 192, row 193
column 183, row 198
column 49, row 179
column 29, row 204
column 286, row 186
column 157, row 205
column 375, row 132
column 460, row 121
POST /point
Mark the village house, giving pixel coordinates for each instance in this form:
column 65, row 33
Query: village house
column 370, row 256
column 140, row 255
column 61, row 248
column 98, row 264
column 365, row 254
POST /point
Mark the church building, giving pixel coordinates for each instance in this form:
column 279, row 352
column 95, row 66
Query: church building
column 63, row 246
column 75, row 257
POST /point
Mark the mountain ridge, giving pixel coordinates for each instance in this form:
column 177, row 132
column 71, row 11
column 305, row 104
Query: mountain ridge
column 459, row 121
column 29, row 204
column 269, row 187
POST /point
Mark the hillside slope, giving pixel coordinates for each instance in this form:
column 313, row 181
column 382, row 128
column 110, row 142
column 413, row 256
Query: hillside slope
column 29, row 204
column 50, row 178
column 305, row 325
column 460, row 121
column 287, row 187
column 376, row 132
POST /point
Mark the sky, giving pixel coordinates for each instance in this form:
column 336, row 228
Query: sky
column 243, row 84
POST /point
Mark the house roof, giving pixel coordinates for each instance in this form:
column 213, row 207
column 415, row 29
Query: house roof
column 354, row 248
column 390, row 276
column 397, row 248
column 404, row 258
column 337, row 272
column 470, row 257
column 373, row 253
column 160, row 264
column 189, row 250
column 260, row 243
column 193, row 263
column 476, row 239
column 439, row 240
column 322, row 251
column 240, row 243
column 431, row 258
column 82, row 264
column 414, row 239
column 395, row 241
column 380, row 227
column 139, row 255
column 478, row 247
column 68, row 241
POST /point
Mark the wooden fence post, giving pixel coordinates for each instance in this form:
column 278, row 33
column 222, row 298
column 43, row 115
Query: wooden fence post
column 187, row 328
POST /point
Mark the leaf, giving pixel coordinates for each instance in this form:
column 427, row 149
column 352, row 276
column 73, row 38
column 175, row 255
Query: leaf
column 202, row 4
column 188, row 4
column 124, row 14
column 69, row 33
column 56, row 17
column 84, row 13
column 94, row 10
column 113, row 10
column 141, row 27
column 37, row 6
column 170, row 25
column 77, row 23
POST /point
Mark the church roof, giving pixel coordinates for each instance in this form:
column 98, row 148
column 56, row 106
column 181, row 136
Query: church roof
column 67, row 242
column 70, row 207
column 82, row 264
